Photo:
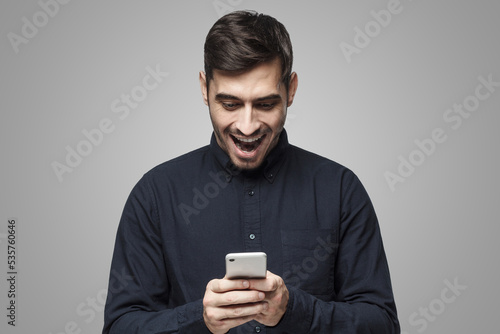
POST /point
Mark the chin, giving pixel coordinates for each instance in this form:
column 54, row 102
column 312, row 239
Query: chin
column 245, row 166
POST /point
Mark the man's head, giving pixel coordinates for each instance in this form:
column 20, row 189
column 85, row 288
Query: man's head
column 248, row 84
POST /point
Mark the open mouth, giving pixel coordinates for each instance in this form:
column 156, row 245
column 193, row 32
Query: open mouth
column 247, row 145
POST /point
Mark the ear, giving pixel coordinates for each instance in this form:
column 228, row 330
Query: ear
column 203, row 86
column 292, row 88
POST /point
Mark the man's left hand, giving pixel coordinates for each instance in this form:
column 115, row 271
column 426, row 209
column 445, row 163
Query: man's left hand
column 276, row 296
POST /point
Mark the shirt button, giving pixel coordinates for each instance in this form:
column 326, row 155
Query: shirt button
column 257, row 329
column 252, row 236
column 251, row 193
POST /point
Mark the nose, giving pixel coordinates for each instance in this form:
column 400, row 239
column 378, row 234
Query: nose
column 247, row 122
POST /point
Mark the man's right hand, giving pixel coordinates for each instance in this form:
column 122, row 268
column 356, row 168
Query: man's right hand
column 229, row 303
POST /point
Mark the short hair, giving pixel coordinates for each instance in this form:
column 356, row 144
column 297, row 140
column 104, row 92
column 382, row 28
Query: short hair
column 241, row 40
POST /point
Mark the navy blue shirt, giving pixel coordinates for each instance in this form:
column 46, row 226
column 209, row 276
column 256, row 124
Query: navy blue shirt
column 310, row 215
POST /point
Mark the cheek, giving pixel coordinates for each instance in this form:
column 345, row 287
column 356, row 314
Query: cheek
column 219, row 119
column 278, row 120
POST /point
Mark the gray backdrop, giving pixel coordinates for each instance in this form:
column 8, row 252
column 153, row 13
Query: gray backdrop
column 405, row 93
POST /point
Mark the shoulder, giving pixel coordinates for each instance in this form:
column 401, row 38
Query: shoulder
column 182, row 163
column 324, row 172
column 175, row 172
column 315, row 162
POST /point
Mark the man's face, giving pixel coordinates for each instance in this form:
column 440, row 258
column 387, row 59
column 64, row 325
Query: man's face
column 248, row 111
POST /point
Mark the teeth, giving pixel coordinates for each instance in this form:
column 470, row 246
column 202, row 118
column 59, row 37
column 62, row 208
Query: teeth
column 248, row 140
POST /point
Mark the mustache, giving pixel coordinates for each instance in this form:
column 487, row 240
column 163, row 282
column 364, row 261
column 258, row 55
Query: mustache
column 256, row 133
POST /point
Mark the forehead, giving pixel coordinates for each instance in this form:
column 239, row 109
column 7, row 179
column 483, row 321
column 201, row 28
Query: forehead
column 261, row 80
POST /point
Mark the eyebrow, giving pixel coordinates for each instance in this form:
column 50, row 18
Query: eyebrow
column 224, row 96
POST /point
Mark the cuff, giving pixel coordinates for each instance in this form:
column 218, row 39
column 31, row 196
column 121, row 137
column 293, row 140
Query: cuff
column 190, row 318
column 298, row 314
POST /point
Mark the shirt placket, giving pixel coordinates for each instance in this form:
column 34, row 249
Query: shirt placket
column 251, row 216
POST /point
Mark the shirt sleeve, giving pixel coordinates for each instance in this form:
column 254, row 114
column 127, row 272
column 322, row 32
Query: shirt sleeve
column 138, row 285
column 363, row 300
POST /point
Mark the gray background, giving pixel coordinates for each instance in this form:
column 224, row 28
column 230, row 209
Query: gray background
column 440, row 224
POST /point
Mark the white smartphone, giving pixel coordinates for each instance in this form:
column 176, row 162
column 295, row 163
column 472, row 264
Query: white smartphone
column 246, row 265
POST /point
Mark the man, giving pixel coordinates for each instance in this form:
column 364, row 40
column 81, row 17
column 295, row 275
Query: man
column 249, row 190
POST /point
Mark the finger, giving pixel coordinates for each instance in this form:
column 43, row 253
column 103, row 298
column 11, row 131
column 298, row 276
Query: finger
column 243, row 310
column 224, row 325
column 269, row 284
column 232, row 298
column 236, row 297
column 224, row 285
column 233, row 315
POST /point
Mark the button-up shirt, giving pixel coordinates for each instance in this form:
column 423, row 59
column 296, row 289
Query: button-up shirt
column 310, row 215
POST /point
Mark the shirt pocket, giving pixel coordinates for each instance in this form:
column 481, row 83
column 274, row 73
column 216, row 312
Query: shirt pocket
column 309, row 260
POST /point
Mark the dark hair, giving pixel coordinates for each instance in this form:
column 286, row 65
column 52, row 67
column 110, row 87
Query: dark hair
column 241, row 40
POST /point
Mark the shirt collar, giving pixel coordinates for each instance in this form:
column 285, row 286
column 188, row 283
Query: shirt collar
column 270, row 166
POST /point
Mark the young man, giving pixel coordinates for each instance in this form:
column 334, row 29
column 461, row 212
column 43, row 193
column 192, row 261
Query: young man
column 249, row 190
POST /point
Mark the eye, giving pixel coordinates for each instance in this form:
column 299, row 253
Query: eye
column 266, row 106
column 230, row 105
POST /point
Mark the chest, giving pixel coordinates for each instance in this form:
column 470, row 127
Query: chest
column 295, row 222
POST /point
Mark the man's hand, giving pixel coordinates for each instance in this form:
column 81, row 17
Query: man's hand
column 230, row 303
column 276, row 298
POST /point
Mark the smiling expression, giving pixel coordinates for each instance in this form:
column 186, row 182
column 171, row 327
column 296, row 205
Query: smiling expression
column 248, row 111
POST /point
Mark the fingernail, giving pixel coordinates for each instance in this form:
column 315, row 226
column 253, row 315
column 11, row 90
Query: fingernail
column 261, row 295
column 265, row 306
column 246, row 284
